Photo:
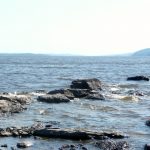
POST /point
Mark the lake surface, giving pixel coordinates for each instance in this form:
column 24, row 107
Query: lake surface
column 119, row 112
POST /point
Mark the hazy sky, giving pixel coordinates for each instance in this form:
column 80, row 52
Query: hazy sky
column 90, row 27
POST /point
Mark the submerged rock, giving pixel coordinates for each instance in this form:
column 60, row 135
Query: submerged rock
column 91, row 84
column 138, row 78
column 54, row 98
column 112, row 145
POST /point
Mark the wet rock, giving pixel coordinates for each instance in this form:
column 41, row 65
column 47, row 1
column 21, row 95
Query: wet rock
column 13, row 131
column 78, row 93
column 71, row 93
column 48, row 126
column 91, row 84
column 38, row 125
column 147, row 147
column 55, row 98
column 112, row 145
column 13, row 103
column 4, row 145
column 65, row 92
column 75, row 134
column 40, row 91
column 84, row 148
column 73, row 147
column 24, row 144
column 138, row 78
column 95, row 96
column 13, row 148
column 136, row 93
column 147, row 122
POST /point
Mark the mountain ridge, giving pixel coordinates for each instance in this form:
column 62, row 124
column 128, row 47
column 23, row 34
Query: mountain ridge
column 143, row 52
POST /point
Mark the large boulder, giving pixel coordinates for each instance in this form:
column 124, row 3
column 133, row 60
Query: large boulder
column 54, row 98
column 13, row 103
column 138, row 78
column 91, row 84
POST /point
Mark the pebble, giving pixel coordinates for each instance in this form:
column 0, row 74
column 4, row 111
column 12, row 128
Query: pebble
column 24, row 144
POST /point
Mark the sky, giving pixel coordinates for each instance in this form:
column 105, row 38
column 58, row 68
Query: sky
column 82, row 27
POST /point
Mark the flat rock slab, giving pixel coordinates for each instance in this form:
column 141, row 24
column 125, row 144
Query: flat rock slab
column 49, row 132
column 54, row 98
column 138, row 78
column 91, row 84
column 75, row 134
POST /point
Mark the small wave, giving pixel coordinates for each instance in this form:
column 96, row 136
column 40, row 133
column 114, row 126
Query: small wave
column 124, row 97
column 130, row 98
column 65, row 78
column 128, row 85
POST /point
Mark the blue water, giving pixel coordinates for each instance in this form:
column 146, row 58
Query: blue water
column 35, row 72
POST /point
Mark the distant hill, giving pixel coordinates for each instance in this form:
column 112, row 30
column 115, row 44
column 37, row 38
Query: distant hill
column 143, row 52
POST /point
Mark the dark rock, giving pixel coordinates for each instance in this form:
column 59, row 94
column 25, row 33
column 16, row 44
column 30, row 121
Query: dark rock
column 72, row 147
column 13, row 131
column 40, row 91
column 148, row 123
column 137, row 93
column 71, row 93
column 5, row 145
column 75, row 134
column 55, row 98
column 91, row 84
column 84, row 148
column 13, row 148
column 95, row 96
column 24, row 144
column 48, row 126
column 147, row 147
column 65, row 92
column 112, row 145
column 138, row 78
column 78, row 93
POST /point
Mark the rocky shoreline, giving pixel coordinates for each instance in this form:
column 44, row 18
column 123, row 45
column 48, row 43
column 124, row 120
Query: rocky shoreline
column 89, row 89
